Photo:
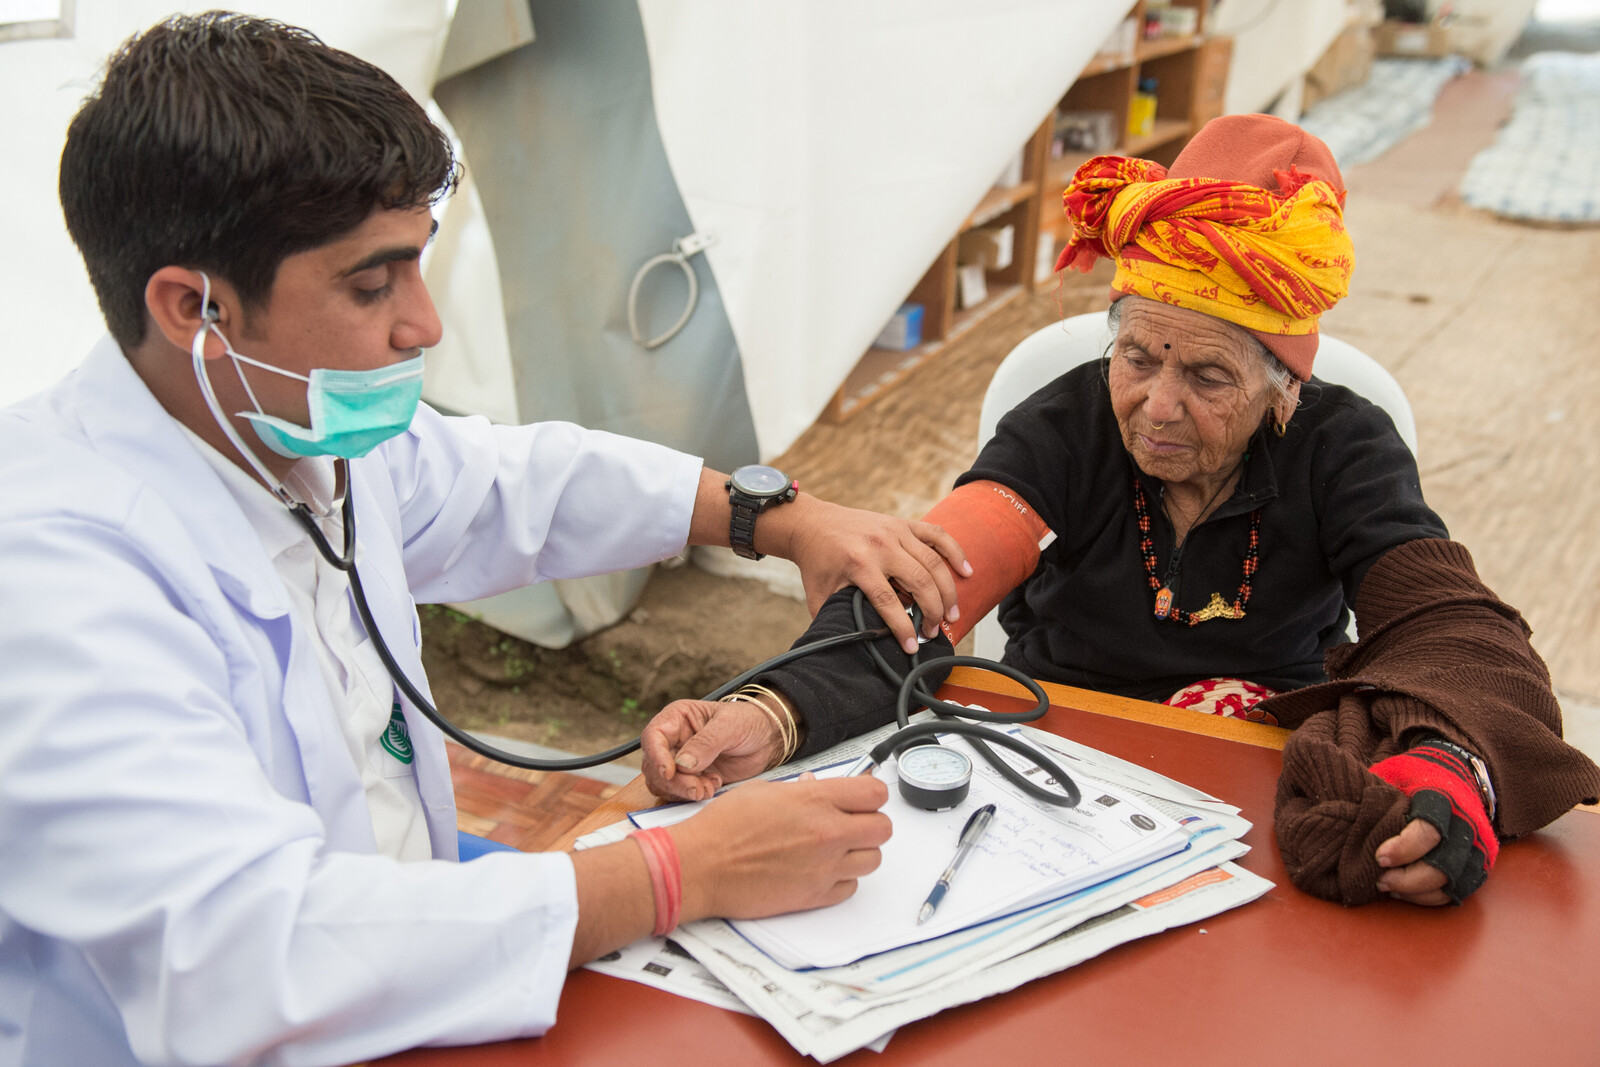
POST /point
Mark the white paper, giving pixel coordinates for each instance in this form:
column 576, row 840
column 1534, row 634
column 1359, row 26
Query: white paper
column 1032, row 852
column 846, row 991
column 828, row 1012
column 891, row 977
column 826, row 1038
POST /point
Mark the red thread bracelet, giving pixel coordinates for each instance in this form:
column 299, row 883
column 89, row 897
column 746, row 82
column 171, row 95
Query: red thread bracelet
column 666, row 875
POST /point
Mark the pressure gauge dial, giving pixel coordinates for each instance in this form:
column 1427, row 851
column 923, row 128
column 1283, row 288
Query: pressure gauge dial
column 933, row 777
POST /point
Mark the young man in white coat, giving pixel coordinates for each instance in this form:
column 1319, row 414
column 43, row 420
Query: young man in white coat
column 215, row 844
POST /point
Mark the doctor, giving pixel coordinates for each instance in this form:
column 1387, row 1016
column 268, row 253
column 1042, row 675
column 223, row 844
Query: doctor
column 224, row 837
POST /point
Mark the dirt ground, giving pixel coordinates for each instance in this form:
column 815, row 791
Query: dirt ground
column 689, row 633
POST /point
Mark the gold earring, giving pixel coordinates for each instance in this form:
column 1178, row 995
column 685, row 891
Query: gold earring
column 1280, row 426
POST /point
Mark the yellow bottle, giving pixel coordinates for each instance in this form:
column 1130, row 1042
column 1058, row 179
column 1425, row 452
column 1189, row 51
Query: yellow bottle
column 1142, row 111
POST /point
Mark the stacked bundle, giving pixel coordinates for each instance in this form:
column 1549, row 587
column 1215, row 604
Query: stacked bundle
column 1140, row 854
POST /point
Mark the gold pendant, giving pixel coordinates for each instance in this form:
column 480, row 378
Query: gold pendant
column 1163, row 603
column 1216, row 609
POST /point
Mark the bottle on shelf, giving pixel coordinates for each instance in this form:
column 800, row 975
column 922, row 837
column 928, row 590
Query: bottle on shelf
column 1142, row 111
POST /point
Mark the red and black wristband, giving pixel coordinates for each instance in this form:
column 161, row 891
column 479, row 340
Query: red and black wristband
column 1450, row 790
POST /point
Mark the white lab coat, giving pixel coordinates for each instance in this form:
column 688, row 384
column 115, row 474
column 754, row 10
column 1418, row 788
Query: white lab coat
column 187, row 866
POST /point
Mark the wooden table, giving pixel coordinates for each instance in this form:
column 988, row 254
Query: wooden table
column 1508, row 977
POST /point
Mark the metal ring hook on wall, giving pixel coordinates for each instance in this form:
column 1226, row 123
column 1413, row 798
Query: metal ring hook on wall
column 682, row 249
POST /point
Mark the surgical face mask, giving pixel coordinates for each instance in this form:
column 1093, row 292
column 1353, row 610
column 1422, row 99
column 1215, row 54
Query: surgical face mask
column 352, row 412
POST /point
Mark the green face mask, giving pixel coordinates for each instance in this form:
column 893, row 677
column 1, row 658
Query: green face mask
column 352, row 411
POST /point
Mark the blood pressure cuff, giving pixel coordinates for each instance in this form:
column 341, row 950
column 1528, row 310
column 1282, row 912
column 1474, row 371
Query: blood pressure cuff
column 1001, row 536
column 840, row 692
column 1445, row 795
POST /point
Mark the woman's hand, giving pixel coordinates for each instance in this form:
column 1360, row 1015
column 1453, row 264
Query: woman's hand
column 692, row 747
column 1408, row 877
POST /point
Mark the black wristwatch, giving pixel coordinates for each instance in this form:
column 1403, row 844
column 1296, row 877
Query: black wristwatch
column 751, row 490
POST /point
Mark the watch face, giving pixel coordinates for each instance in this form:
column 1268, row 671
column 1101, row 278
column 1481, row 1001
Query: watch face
column 756, row 480
column 934, row 766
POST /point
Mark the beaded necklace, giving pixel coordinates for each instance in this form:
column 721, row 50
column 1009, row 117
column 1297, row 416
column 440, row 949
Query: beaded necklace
column 1216, row 609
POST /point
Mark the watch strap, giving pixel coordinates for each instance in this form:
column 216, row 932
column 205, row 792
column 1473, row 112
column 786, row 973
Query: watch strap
column 743, row 509
column 742, row 528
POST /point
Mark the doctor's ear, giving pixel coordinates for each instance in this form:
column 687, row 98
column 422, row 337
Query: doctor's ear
column 173, row 300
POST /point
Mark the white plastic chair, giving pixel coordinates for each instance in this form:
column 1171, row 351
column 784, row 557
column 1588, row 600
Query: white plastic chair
column 1049, row 353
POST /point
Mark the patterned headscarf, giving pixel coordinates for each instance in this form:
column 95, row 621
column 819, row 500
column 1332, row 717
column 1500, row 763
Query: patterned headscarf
column 1264, row 247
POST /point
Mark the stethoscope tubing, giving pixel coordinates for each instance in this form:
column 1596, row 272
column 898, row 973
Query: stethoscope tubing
column 949, row 721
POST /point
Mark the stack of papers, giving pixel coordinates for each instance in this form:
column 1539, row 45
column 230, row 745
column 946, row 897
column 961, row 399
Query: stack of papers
column 1045, row 889
column 1033, row 852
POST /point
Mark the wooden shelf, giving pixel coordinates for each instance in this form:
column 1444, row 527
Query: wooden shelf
column 1164, row 130
column 1165, row 46
column 998, row 200
column 1061, row 170
column 881, row 369
column 1104, row 63
column 1190, row 74
column 967, row 318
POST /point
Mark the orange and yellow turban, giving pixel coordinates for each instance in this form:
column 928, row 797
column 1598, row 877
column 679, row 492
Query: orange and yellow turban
column 1271, row 261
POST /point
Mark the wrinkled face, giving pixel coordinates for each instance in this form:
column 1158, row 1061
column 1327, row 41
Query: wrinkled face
column 1188, row 391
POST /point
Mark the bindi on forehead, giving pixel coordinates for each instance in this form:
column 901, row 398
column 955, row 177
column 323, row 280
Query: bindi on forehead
column 1192, row 354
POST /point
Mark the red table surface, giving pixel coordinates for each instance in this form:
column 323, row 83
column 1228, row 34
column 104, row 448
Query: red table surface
column 1507, row 977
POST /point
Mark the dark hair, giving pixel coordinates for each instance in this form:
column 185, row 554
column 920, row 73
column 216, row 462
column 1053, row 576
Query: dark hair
column 226, row 143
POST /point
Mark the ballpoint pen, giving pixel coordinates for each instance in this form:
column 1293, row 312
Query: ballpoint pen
column 970, row 833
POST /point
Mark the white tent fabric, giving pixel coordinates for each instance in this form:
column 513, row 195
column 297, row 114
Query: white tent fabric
column 469, row 371
column 834, row 146
column 45, row 299
column 50, row 308
column 1274, row 44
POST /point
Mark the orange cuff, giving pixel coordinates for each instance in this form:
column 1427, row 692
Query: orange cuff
column 1001, row 536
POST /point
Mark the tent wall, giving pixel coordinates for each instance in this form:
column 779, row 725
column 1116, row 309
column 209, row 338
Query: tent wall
column 562, row 143
column 1273, row 47
column 45, row 296
column 834, row 146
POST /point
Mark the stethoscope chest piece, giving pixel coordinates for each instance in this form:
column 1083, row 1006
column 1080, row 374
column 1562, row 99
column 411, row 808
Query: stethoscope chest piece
column 933, row 777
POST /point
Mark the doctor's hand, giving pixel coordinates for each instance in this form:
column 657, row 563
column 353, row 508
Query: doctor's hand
column 837, row 546
column 764, row 848
column 767, row 848
column 692, row 747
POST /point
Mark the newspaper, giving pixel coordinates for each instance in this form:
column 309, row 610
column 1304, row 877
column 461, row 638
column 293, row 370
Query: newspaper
column 660, row 962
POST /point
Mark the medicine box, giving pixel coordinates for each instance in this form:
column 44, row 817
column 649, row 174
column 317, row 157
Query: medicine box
column 988, row 246
column 904, row 329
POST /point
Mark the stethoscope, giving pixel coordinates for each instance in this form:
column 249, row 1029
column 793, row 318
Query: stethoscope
column 936, row 787
column 940, row 789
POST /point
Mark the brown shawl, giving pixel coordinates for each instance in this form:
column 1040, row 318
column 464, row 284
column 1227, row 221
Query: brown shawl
column 1438, row 652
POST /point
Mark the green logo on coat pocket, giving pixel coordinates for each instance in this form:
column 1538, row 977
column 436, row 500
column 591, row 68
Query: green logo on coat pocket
column 396, row 740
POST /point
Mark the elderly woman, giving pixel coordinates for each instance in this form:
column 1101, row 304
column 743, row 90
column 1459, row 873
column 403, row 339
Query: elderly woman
column 1193, row 519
